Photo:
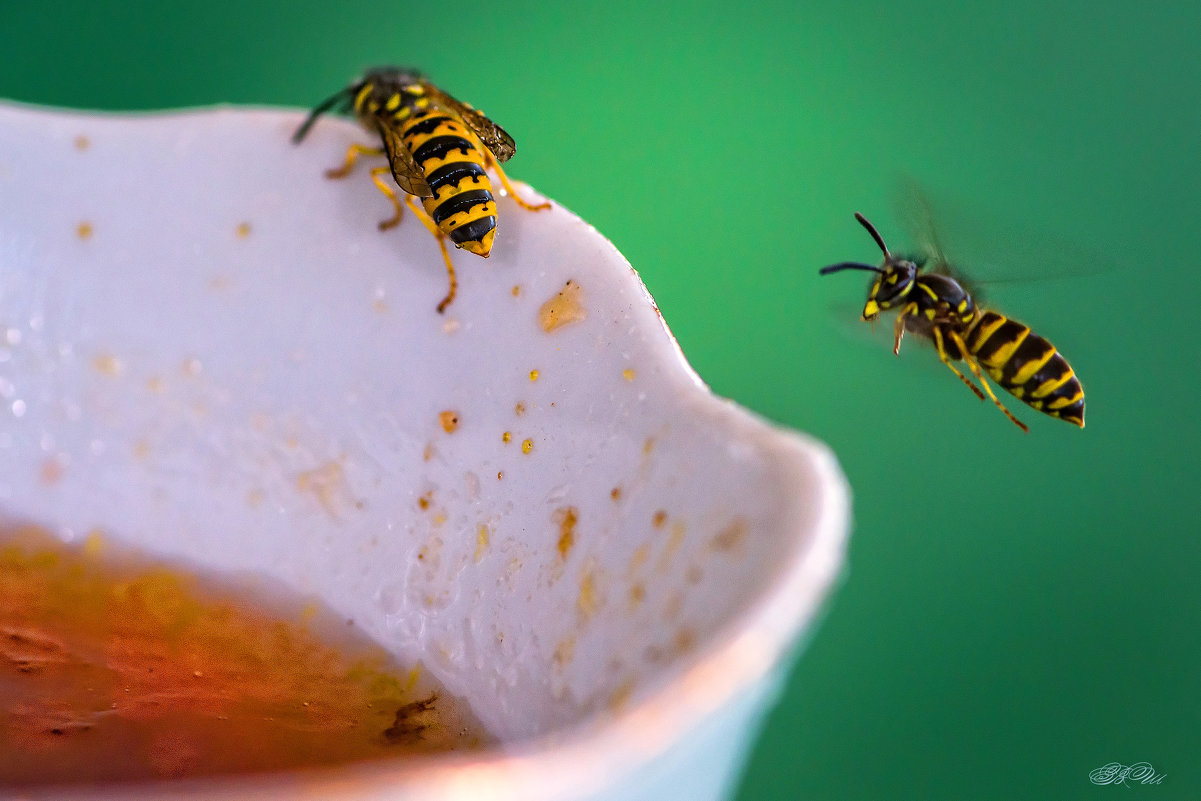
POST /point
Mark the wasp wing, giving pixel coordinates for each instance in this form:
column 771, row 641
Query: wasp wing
column 492, row 135
column 404, row 168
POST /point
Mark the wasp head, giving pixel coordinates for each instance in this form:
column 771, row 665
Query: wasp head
column 391, row 76
column 389, row 79
column 893, row 281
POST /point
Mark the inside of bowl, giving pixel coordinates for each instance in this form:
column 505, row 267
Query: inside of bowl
column 208, row 350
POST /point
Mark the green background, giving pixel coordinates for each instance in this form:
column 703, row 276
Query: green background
column 1019, row 609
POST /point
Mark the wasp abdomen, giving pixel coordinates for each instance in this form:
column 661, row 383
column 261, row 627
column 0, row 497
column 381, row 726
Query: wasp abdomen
column 462, row 205
column 1027, row 366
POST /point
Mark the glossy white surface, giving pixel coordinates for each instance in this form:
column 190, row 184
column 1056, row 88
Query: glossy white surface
column 208, row 350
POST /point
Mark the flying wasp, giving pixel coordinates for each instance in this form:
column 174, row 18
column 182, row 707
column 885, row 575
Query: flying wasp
column 936, row 306
column 438, row 149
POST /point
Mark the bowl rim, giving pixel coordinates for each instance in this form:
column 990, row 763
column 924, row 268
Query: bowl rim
column 596, row 751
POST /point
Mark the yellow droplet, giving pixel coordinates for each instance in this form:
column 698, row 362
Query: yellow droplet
column 506, row 437
column 533, row 375
column 566, row 517
column 82, row 142
column 243, row 230
column 108, row 364
column 527, row 446
column 449, row 420
column 84, row 230
column 627, row 374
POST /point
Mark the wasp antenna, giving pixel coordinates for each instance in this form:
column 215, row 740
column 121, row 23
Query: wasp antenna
column 323, row 107
column 849, row 265
column 871, row 229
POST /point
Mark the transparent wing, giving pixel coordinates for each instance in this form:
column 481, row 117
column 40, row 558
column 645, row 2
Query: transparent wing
column 917, row 215
column 1001, row 250
column 492, row 135
column 404, row 169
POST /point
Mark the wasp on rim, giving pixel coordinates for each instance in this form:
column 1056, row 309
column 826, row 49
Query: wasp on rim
column 438, row 149
column 936, row 306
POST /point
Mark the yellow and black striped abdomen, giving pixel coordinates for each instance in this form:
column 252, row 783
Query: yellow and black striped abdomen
column 1027, row 366
column 462, row 205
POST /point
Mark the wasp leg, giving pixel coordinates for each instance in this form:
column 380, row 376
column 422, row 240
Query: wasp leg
column 432, row 227
column 504, row 180
column 946, row 359
column 899, row 326
column 352, row 154
column 377, row 174
column 967, row 357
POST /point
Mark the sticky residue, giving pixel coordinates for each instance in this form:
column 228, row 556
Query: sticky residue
column 84, row 230
column 621, row 696
column 639, row 556
column 589, row 600
column 506, row 437
column 481, row 541
column 683, row 641
column 628, row 374
column 675, row 539
column 449, row 420
column 659, row 518
column 519, row 409
column 563, row 309
column 52, row 470
column 730, row 537
column 527, row 445
column 566, row 518
column 82, row 142
column 564, row 652
column 533, row 375
column 328, row 485
column 108, row 364
column 243, row 230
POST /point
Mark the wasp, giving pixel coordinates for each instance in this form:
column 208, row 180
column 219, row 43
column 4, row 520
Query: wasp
column 936, row 306
column 438, row 149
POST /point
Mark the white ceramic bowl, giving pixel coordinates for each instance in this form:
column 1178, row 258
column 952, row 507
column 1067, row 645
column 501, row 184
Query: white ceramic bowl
column 209, row 351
